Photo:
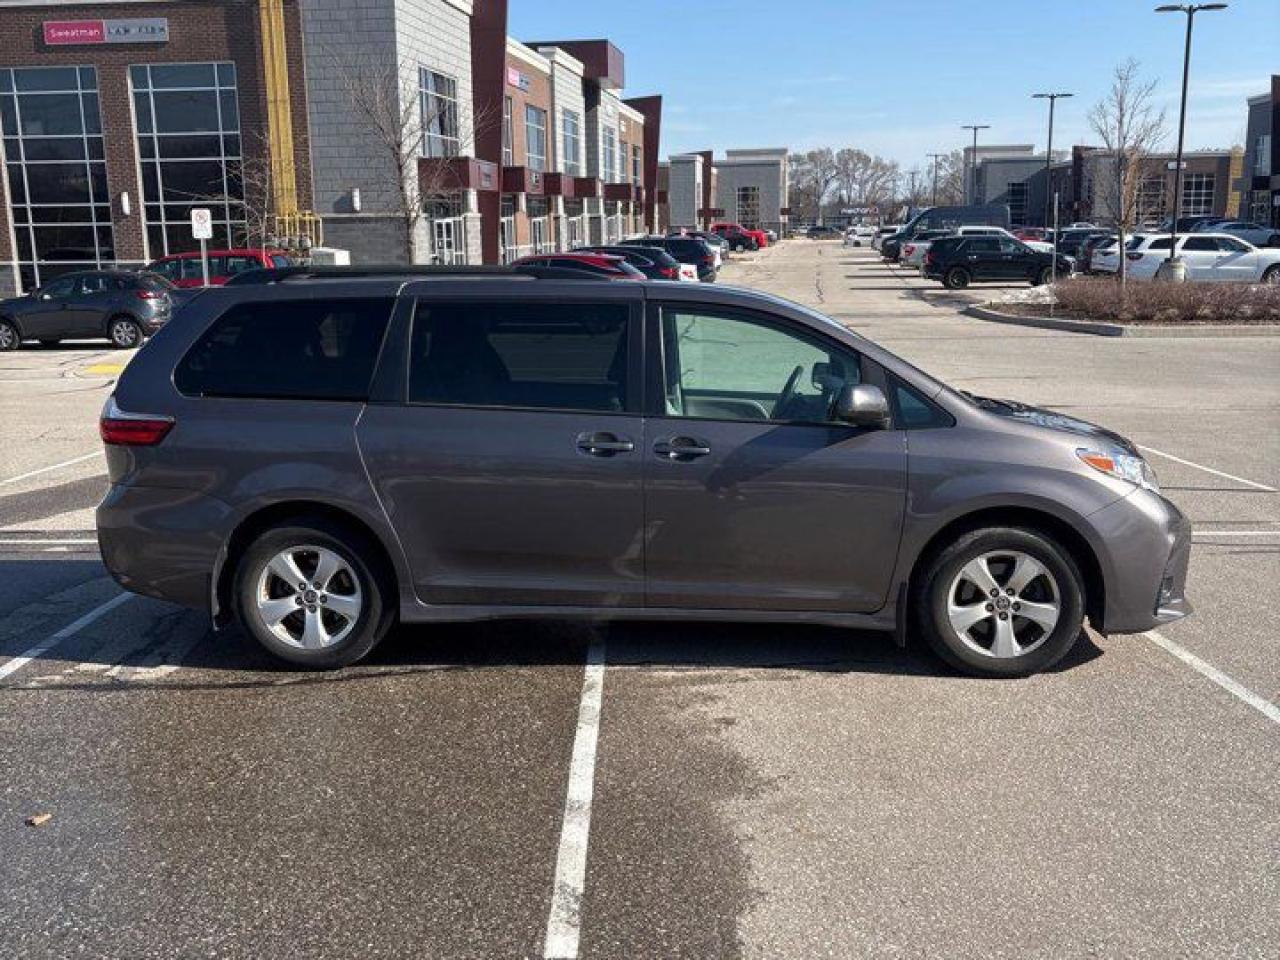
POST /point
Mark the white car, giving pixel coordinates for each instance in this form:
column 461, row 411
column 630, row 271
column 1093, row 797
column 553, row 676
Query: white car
column 859, row 236
column 1213, row 257
column 888, row 230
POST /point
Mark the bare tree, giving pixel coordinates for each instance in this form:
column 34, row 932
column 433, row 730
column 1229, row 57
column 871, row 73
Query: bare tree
column 813, row 175
column 1130, row 128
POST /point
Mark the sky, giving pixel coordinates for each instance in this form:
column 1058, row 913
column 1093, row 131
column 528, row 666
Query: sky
column 899, row 77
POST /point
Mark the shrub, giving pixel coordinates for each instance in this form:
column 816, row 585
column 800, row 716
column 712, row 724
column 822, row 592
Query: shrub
column 1097, row 298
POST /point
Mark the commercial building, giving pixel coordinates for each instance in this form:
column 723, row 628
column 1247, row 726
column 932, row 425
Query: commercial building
column 1209, row 185
column 751, row 187
column 401, row 130
column 1259, row 184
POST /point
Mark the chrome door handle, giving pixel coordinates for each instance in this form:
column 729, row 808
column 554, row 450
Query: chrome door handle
column 681, row 448
column 603, row 444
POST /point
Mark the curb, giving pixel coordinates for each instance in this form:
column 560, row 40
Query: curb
column 1098, row 329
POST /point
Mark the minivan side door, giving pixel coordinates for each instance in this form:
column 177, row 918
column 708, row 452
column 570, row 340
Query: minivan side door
column 755, row 498
column 509, row 459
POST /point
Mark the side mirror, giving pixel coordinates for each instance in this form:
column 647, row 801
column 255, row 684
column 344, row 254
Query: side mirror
column 863, row 405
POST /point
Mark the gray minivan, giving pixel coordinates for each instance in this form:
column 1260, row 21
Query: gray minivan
column 321, row 453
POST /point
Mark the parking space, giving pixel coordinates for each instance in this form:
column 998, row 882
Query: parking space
column 749, row 791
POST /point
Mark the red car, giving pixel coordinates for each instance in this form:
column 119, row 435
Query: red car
column 1030, row 233
column 184, row 269
column 602, row 264
column 739, row 237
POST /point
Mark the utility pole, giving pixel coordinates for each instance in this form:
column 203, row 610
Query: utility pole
column 971, row 189
column 1048, row 152
column 935, row 157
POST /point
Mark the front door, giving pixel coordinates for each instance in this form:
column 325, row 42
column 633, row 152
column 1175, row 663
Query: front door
column 1201, row 255
column 1017, row 261
column 981, row 255
column 754, row 497
column 1236, row 260
column 511, row 472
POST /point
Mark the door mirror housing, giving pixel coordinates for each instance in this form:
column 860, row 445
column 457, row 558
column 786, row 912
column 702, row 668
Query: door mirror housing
column 863, row 405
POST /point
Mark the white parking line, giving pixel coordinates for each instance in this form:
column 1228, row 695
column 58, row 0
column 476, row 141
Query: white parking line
column 49, row 469
column 48, row 542
column 1216, row 473
column 564, row 923
column 1236, row 689
column 1235, row 533
column 44, row 646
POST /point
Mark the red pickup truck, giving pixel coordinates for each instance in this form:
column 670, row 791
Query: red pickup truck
column 740, row 238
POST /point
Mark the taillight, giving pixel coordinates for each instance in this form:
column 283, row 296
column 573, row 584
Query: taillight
column 669, row 273
column 928, row 257
column 910, row 249
column 120, row 428
column 1133, row 255
column 145, row 294
column 709, row 261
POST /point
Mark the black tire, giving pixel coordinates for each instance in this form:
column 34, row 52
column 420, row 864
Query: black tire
column 125, row 333
column 1043, row 278
column 957, row 278
column 930, row 600
column 1272, row 274
column 48, row 344
column 378, row 610
column 10, row 339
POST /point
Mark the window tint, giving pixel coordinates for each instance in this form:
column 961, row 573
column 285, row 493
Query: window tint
column 982, row 245
column 560, row 356
column 1010, row 246
column 59, row 288
column 914, row 411
column 1200, row 243
column 100, row 283
column 729, row 366
column 301, row 349
column 1160, row 243
column 169, row 269
column 239, row 264
column 279, row 260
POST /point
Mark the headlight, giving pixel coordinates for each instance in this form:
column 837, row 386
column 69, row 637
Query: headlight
column 1124, row 466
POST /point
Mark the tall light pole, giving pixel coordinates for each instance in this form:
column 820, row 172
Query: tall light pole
column 1172, row 268
column 1048, row 152
column 935, row 157
column 973, row 160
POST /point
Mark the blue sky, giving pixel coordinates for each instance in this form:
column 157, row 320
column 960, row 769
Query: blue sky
column 898, row 77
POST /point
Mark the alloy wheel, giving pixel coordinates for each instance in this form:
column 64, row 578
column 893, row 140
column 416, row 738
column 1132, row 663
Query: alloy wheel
column 1003, row 604
column 309, row 597
column 124, row 333
column 8, row 337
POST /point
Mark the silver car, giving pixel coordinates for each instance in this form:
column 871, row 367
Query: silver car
column 1254, row 233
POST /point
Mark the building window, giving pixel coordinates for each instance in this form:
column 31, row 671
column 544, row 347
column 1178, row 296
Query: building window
column 57, row 175
column 508, row 148
column 1018, row 202
column 572, row 124
column 535, row 138
column 188, row 129
column 1151, row 200
column 1262, row 155
column 749, row 207
column 1197, row 194
column 609, row 156
column 438, row 97
column 637, row 175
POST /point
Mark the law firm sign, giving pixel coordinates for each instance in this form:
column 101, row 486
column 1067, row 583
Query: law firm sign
column 61, row 33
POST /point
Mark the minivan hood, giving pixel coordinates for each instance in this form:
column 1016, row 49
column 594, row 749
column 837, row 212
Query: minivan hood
column 1051, row 420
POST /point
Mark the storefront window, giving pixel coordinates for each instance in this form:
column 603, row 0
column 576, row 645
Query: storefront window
column 57, row 175
column 189, row 151
column 535, row 138
column 1197, row 194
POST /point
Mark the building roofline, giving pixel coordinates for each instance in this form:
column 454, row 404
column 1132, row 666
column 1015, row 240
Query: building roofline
column 530, row 56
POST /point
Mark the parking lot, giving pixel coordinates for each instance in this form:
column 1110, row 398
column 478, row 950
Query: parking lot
column 734, row 791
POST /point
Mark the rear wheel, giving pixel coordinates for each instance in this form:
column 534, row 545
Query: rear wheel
column 1001, row 602
column 312, row 594
column 124, row 332
column 9, row 336
column 957, row 278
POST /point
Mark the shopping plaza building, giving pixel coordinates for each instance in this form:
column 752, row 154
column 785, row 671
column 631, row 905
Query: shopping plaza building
column 750, row 187
column 398, row 130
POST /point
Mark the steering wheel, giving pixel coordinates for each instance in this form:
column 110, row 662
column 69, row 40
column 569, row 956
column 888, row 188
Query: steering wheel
column 788, row 392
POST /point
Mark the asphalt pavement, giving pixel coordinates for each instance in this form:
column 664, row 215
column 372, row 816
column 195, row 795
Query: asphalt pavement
column 741, row 791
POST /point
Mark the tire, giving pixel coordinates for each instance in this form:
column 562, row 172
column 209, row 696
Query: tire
column 341, row 638
column 10, row 339
column 1043, row 278
column 1272, row 274
column 957, row 278
column 125, row 333
column 944, row 587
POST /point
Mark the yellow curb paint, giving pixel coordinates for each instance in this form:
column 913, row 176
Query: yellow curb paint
column 107, row 368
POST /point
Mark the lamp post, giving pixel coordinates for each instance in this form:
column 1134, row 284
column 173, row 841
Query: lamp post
column 1048, row 152
column 935, row 157
column 973, row 161
column 1173, row 268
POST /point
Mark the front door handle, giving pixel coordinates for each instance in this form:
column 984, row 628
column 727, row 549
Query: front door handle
column 681, row 448
column 604, row 444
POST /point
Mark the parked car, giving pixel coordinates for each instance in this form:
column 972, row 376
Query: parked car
column 739, row 237
column 654, row 262
column 185, row 269
column 460, row 450
column 911, row 254
column 687, row 249
column 1186, row 224
column 1255, row 233
column 821, row 232
column 1071, row 241
column 117, row 305
column 1084, row 261
column 605, row 265
column 1030, row 233
column 883, row 233
column 959, row 261
column 941, row 218
column 718, row 244
column 1209, row 257
column 771, row 236
column 859, row 236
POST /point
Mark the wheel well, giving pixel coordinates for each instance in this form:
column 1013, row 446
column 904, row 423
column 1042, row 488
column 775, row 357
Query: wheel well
column 119, row 315
column 293, row 511
column 1058, row 530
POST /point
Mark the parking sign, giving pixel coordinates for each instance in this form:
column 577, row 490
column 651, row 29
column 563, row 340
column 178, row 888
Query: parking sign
column 201, row 224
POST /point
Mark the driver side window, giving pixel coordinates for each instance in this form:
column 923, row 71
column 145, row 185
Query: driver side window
column 730, row 366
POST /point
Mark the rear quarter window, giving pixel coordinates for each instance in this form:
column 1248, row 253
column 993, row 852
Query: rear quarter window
column 288, row 349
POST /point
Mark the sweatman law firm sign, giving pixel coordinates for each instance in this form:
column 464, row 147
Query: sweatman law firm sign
column 76, row 32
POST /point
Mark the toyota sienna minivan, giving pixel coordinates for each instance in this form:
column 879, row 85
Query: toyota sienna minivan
column 320, row 453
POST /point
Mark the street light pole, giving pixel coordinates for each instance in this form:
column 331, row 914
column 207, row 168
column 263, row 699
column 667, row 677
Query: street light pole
column 1048, row 153
column 972, row 190
column 936, row 157
column 1173, row 268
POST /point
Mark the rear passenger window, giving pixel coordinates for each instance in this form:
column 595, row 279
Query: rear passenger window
column 288, row 349
column 559, row 356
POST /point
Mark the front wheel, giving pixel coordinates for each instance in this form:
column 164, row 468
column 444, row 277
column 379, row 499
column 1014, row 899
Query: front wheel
column 1272, row 276
column 1043, row 278
column 312, row 594
column 1001, row 602
column 957, row 278
column 10, row 339
column 124, row 333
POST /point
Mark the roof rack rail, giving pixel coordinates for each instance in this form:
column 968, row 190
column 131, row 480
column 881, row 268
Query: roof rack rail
column 392, row 270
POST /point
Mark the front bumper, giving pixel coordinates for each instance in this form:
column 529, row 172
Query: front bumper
column 1148, row 542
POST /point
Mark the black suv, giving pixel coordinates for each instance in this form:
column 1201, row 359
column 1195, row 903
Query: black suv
column 654, row 262
column 959, row 261
column 116, row 305
column 685, row 249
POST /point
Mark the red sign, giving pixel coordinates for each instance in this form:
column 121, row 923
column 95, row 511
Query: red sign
column 74, row 31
